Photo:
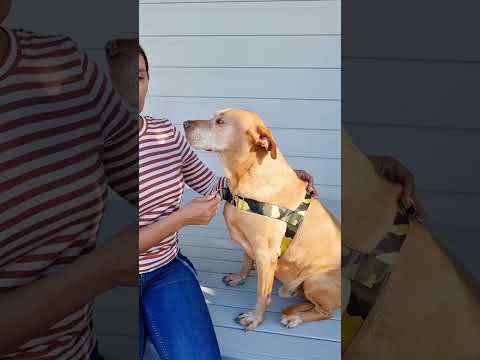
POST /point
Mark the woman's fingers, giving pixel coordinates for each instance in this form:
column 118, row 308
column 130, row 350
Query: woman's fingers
column 305, row 176
column 409, row 186
column 215, row 205
column 211, row 196
column 394, row 171
column 420, row 209
column 212, row 204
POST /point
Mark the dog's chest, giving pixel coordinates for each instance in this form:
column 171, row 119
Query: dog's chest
column 236, row 224
column 252, row 230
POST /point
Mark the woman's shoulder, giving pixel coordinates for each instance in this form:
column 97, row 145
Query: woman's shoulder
column 27, row 38
column 158, row 127
column 156, row 121
column 161, row 124
column 40, row 46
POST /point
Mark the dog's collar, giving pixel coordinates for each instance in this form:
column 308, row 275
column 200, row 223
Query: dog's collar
column 293, row 218
column 369, row 273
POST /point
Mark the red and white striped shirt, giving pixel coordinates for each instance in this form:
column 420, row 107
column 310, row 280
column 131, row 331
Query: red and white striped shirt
column 166, row 163
column 64, row 136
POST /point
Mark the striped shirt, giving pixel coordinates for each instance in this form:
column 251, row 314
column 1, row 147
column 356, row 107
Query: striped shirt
column 166, row 164
column 64, row 136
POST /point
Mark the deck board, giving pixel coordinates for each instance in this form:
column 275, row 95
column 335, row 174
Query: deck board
column 214, row 255
column 242, row 345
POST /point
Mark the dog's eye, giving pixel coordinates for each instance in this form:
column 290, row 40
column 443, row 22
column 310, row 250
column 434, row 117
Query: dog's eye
column 219, row 121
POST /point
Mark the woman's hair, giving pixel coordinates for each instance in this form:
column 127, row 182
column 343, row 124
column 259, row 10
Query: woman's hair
column 118, row 47
column 142, row 52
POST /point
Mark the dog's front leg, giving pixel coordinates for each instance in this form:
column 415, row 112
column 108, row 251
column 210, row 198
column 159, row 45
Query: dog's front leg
column 239, row 279
column 266, row 262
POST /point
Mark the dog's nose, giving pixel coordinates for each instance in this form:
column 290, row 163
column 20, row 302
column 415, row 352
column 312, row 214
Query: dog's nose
column 187, row 124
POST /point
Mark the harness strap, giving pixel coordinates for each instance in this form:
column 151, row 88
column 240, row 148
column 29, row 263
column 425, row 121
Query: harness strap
column 293, row 218
column 369, row 273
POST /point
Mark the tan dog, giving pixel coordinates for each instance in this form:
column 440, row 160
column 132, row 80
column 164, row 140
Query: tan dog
column 427, row 309
column 257, row 170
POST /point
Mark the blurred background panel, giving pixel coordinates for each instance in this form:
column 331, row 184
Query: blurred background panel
column 91, row 23
column 410, row 84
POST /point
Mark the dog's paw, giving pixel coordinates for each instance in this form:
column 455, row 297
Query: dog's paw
column 233, row 280
column 250, row 320
column 291, row 321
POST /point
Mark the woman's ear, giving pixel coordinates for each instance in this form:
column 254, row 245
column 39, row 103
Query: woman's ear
column 263, row 138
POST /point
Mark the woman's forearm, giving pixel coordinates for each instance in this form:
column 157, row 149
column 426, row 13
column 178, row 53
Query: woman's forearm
column 29, row 311
column 151, row 235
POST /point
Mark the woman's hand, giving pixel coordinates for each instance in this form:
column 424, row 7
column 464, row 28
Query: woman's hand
column 394, row 171
column 200, row 211
column 305, row 176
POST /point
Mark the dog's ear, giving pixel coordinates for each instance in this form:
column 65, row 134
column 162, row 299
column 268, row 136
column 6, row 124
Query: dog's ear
column 263, row 138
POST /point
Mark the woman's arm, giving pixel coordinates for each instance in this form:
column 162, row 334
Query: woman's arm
column 199, row 211
column 151, row 235
column 29, row 311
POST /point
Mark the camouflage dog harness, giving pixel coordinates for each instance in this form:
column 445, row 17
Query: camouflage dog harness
column 368, row 273
column 293, row 218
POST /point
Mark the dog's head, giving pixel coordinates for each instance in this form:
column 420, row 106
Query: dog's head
column 231, row 130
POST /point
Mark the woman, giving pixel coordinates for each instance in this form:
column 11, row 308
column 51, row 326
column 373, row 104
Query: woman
column 173, row 312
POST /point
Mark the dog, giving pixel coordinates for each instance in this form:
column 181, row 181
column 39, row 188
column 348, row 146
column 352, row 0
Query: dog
column 427, row 309
column 256, row 169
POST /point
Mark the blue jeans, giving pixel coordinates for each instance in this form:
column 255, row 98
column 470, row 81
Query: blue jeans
column 173, row 314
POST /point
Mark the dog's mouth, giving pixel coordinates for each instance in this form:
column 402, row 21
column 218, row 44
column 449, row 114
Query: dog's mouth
column 194, row 144
column 198, row 142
